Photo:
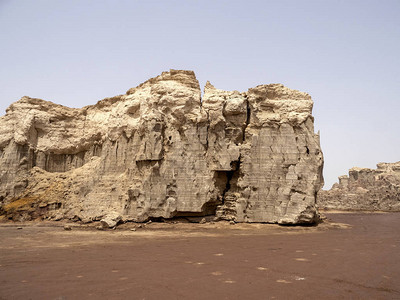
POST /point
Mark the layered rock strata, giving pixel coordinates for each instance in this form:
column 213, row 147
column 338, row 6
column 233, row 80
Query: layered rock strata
column 365, row 189
column 163, row 151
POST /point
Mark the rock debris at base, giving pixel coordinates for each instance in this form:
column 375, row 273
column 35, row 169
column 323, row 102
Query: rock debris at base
column 161, row 151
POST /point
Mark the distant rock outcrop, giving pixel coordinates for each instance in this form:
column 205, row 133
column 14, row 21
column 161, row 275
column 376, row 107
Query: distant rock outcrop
column 365, row 189
column 160, row 151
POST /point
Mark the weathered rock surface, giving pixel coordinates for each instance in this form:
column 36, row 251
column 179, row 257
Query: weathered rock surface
column 365, row 189
column 160, row 151
column 110, row 220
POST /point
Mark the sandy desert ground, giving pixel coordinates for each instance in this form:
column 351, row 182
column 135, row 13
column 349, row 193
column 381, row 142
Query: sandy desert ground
column 350, row 256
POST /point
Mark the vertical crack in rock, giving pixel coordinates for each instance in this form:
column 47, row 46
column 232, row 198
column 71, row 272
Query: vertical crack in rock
column 163, row 150
column 248, row 116
column 227, row 209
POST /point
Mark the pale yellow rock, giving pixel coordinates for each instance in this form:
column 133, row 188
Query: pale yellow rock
column 161, row 151
column 365, row 189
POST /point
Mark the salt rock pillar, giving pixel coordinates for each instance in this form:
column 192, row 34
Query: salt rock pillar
column 263, row 146
column 365, row 189
column 163, row 151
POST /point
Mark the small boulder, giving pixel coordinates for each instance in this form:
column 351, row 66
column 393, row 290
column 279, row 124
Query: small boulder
column 110, row 220
column 58, row 217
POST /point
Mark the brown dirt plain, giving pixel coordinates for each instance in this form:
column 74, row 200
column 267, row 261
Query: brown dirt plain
column 349, row 256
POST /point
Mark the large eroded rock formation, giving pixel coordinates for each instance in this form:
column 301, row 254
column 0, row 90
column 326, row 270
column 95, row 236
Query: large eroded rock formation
column 161, row 151
column 365, row 189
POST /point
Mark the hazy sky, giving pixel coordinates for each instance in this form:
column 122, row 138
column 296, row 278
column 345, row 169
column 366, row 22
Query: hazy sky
column 346, row 54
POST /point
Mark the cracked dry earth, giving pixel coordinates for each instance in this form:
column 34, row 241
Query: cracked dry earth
column 351, row 256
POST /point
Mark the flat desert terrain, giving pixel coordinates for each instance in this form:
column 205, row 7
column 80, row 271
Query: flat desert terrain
column 350, row 256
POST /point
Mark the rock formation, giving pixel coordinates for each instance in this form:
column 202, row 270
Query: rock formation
column 160, row 151
column 365, row 189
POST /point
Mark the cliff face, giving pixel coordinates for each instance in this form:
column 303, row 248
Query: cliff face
column 365, row 189
column 161, row 151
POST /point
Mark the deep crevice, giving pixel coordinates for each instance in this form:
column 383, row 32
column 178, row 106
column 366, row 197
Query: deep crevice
column 226, row 180
column 229, row 175
column 248, row 115
column 208, row 129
